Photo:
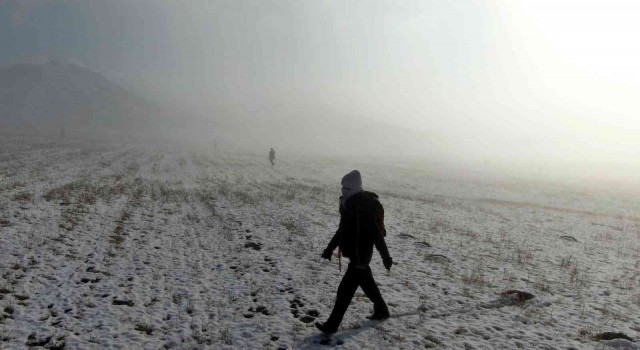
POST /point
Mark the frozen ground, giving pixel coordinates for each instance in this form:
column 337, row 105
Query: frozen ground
column 129, row 247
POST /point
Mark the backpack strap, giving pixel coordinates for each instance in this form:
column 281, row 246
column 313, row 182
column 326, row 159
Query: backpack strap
column 357, row 245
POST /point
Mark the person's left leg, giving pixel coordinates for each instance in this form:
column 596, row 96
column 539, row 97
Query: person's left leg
column 371, row 290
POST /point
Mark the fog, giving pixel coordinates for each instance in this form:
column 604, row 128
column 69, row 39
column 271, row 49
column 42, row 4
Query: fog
column 543, row 88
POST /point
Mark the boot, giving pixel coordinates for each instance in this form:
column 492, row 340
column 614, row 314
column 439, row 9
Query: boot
column 326, row 329
column 379, row 315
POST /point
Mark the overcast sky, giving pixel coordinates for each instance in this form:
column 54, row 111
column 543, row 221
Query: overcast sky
column 539, row 79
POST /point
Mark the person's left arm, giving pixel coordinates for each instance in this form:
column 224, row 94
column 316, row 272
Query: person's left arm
column 381, row 246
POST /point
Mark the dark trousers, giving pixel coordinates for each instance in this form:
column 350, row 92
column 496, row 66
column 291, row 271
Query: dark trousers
column 356, row 276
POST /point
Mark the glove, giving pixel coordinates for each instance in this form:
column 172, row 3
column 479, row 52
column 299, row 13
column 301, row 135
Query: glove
column 326, row 254
column 387, row 263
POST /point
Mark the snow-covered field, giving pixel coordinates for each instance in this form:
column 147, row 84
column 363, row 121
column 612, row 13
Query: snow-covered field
column 138, row 247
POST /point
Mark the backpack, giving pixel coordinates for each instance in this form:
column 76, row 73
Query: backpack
column 362, row 223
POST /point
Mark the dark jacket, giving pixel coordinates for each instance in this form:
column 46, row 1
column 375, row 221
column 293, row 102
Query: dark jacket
column 361, row 228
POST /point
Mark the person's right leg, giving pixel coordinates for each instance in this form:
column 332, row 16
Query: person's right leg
column 370, row 289
column 346, row 290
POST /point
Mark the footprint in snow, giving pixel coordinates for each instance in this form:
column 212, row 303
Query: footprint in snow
column 253, row 245
column 326, row 340
column 258, row 309
column 306, row 316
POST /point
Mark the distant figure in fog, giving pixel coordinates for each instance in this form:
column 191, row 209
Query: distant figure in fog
column 272, row 156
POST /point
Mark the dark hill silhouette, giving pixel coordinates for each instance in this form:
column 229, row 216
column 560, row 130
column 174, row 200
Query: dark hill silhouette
column 44, row 97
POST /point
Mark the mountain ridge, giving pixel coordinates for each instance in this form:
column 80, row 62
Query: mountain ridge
column 43, row 98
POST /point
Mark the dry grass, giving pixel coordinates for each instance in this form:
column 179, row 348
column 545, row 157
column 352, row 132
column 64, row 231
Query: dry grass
column 23, row 196
column 524, row 257
column 475, row 278
column 144, row 328
column 117, row 237
column 18, row 184
column 627, row 280
column 85, row 190
column 5, row 335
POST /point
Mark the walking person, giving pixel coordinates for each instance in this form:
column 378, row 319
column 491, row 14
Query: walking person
column 272, row 156
column 361, row 228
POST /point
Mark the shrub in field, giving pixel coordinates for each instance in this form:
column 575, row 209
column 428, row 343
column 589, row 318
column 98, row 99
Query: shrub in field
column 227, row 233
column 5, row 335
column 23, row 196
column 605, row 237
column 578, row 275
column 439, row 225
column 524, row 257
column 117, row 237
column 208, row 199
column 625, row 280
column 55, row 193
column 158, row 190
column 244, row 196
column 144, row 328
column 18, row 184
column 71, row 216
column 86, row 190
column 475, row 278
column 294, row 227
column 542, row 284
column 225, row 189
column 86, row 197
column 225, row 336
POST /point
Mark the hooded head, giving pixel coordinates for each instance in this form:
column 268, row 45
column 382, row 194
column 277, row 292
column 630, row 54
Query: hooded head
column 351, row 184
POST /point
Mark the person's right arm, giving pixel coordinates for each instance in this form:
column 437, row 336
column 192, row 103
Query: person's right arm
column 335, row 241
column 331, row 246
